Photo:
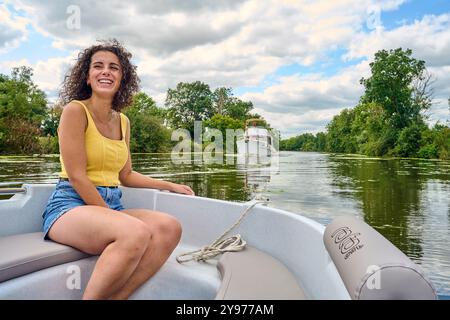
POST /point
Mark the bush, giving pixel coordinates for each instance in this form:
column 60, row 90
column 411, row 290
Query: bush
column 408, row 142
column 18, row 136
column 148, row 134
column 49, row 145
column 442, row 141
column 430, row 151
column 435, row 143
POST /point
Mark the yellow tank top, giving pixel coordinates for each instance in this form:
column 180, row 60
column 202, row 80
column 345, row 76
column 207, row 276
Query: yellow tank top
column 105, row 157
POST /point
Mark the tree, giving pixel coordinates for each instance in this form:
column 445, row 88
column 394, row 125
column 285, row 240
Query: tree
column 21, row 136
column 22, row 109
column 187, row 103
column 221, row 98
column 448, row 120
column 321, row 141
column 370, row 127
column 239, row 109
column 441, row 139
column 339, row 137
column 224, row 103
column 222, row 123
column 148, row 134
column 391, row 85
column 51, row 121
column 422, row 93
column 144, row 104
column 408, row 142
column 20, row 97
column 305, row 142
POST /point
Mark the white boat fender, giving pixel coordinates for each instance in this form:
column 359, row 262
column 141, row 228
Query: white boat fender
column 370, row 266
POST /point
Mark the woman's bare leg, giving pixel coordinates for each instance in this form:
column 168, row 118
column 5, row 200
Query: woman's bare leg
column 166, row 233
column 120, row 239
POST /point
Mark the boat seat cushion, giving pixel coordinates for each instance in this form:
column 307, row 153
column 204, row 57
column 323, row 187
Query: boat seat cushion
column 251, row 274
column 25, row 253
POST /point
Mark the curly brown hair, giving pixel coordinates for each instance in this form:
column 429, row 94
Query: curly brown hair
column 75, row 87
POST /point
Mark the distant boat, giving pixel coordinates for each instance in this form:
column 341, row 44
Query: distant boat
column 287, row 256
column 257, row 140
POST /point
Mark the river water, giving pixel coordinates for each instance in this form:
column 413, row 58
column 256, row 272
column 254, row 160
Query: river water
column 406, row 200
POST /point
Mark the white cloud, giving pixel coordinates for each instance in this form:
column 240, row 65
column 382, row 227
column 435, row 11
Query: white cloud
column 302, row 103
column 429, row 38
column 12, row 29
column 47, row 74
column 292, row 124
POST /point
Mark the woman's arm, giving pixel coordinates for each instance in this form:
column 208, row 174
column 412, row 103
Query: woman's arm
column 130, row 178
column 71, row 130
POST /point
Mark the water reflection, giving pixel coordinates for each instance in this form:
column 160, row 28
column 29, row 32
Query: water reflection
column 258, row 171
column 390, row 197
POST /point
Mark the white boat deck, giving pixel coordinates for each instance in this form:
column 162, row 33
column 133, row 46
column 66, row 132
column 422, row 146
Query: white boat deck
column 291, row 239
column 188, row 281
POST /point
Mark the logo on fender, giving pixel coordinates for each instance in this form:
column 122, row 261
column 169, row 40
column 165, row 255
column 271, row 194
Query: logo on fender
column 347, row 241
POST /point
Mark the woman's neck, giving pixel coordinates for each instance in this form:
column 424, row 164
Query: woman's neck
column 102, row 107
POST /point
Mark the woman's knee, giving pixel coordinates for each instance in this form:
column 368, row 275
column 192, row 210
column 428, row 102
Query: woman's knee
column 134, row 237
column 170, row 229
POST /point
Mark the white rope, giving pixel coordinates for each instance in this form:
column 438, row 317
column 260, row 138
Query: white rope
column 220, row 245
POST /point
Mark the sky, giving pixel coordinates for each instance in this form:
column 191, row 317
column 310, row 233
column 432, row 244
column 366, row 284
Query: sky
column 299, row 62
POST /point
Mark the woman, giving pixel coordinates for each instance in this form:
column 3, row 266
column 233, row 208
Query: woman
column 85, row 211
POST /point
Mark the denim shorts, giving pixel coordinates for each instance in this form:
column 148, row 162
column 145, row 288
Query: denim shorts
column 65, row 197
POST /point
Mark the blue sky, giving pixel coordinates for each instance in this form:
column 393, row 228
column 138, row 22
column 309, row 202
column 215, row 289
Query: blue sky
column 299, row 62
column 414, row 10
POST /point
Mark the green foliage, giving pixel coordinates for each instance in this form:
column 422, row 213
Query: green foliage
column 339, row 137
column 240, row 110
column 442, row 141
column 224, row 103
column 20, row 97
column 391, row 85
column 408, row 141
column 223, row 122
column 144, row 104
column 19, row 136
column 428, row 151
column 371, row 129
column 321, row 141
column 22, row 109
column 187, row 103
column 194, row 101
column 305, row 142
column 221, row 99
column 51, row 121
column 48, row 144
column 148, row 134
column 435, row 142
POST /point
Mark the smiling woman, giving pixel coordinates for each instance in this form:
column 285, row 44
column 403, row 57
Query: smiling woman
column 85, row 210
column 77, row 86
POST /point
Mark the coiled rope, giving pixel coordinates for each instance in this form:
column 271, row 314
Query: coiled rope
column 220, row 245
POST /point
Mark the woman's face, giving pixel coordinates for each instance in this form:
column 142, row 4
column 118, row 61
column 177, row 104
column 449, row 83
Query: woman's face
column 105, row 73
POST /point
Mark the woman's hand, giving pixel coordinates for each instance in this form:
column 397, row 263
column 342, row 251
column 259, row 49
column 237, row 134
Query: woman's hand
column 181, row 188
